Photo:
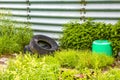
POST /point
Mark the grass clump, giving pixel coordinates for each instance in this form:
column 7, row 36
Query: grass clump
column 111, row 74
column 82, row 59
column 67, row 58
column 13, row 37
column 93, row 61
column 29, row 67
column 68, row 74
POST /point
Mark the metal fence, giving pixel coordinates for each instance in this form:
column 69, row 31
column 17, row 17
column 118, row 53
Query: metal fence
column 48, row 16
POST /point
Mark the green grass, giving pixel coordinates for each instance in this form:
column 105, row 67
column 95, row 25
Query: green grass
column 63, row 65
column 67, row 58
column 29, row 67
column 13, row 37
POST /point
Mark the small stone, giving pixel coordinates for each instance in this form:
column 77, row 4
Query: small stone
column 79, row 76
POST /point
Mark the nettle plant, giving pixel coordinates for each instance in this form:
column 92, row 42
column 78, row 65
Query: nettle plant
column 80, row 36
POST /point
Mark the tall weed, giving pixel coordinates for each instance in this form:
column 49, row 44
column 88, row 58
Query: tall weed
column 67, row 58
column 94, row 61
column 82, row 59
column 13, row 37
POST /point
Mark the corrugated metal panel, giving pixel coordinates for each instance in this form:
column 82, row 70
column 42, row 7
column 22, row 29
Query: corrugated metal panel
column 48, row 16
column 17, row 8
column 103, row 10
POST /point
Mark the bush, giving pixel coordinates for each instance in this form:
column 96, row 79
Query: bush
column 82, row 59
column 93, row 61
column 67, row 58
column 81, row 36
column 13, row 37
column 50, row 60
column 101, row 61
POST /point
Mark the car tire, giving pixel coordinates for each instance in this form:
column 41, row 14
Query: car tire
column 42, row 44
column 27, row 49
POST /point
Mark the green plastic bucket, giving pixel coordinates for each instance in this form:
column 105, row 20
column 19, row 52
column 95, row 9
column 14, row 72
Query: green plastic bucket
column 102, row 47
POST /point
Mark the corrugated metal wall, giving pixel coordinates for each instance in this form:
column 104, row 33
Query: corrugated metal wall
column 103, row 10
column 17, row 8
column 48, row 16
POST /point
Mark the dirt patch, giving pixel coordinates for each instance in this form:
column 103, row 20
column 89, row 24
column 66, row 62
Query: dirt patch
column 4, row 59
column 8, row 56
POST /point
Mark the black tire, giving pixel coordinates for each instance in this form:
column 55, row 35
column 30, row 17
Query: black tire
column 42, row 44
column 27, row 49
